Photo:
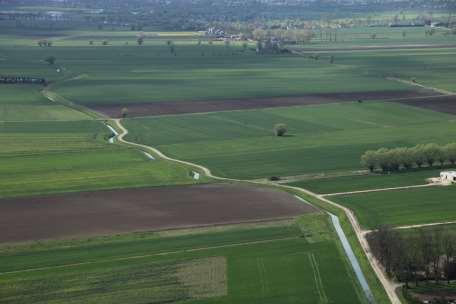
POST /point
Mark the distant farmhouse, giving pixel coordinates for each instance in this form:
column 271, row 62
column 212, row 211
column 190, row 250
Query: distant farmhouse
column 448, row 177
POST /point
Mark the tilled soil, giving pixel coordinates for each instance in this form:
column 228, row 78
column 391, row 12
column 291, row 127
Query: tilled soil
column 183, row 107
column 144, row 209
column 445, row 104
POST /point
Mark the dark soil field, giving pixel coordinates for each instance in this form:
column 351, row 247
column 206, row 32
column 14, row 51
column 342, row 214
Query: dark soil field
column 121, row 211
column 445, row 104
column 182, row 107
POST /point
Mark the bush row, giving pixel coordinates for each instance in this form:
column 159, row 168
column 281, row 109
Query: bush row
column 21, row 79
column 389, row 160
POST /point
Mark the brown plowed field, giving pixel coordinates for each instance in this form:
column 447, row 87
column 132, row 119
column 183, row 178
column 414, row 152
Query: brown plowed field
column 182, row 107
column 445, row 104
column 145, row 209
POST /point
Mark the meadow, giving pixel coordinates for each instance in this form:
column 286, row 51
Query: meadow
column 366, row 181
column 321, row 138
column 402, row 207
column 39, row 157
column 196, row 71
column 199, row 70
column 264, row 263
column 384, row 36
column 26, row 103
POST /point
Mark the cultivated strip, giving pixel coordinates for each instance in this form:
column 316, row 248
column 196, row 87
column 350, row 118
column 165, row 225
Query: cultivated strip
column 150, row 255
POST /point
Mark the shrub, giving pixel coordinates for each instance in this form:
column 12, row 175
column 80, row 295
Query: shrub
column 124, row 112
column 280, row 129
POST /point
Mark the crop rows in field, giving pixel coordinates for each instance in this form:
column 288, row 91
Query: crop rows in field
column 320, row 138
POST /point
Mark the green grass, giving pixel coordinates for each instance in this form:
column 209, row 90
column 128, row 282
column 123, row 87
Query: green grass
column 321, row 138
column 402, row 207
column 362, row 36
column 47, row 157
column 366, row 181
column 262, row 265
column 131, row 74
column 26, row 103
column 124, row 74
column 93, row 169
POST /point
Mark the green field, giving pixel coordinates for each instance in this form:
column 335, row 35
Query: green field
column 264, row 264
column 321, row 138
column 55, row 156
column 123, row 73
column 366, row 181
column 362, row 36
column 26, row 103
column 402, row 207
column 50, row 147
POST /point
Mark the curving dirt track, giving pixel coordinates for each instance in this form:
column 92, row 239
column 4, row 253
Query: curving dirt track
column 183, row 107
column 145, row 209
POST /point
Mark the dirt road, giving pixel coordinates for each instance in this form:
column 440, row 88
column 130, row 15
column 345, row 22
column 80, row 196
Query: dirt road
column 388, row 285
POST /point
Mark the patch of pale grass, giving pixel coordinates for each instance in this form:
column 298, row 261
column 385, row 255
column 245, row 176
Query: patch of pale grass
column 204, row 278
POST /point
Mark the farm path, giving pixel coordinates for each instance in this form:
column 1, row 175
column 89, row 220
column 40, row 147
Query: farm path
column 426, row 225
column 441, row 91
column 387, row 284
column 54, row 97
column 416, row 226
column 381, row 189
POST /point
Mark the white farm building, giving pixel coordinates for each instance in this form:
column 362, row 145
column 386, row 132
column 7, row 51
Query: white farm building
column 448, row 177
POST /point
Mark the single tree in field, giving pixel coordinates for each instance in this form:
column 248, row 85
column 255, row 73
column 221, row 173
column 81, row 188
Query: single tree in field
column 124, row 112
column 50, row 60
column 280, row 129
column 140, row 39
column 244, row 47
column 259, row 47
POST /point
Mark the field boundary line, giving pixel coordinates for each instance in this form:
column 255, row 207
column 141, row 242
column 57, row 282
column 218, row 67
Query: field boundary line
column 361, row 48
column 441, row 91
column 54, row 97
column 317, row 277
column 262, row 275
column 416, row 226
column 151, row 255
column 388, row 285
column 380, row 190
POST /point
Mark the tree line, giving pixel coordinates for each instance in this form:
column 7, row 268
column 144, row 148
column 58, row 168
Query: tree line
column 429, row 255
column 395, row 159
column 22, row 80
